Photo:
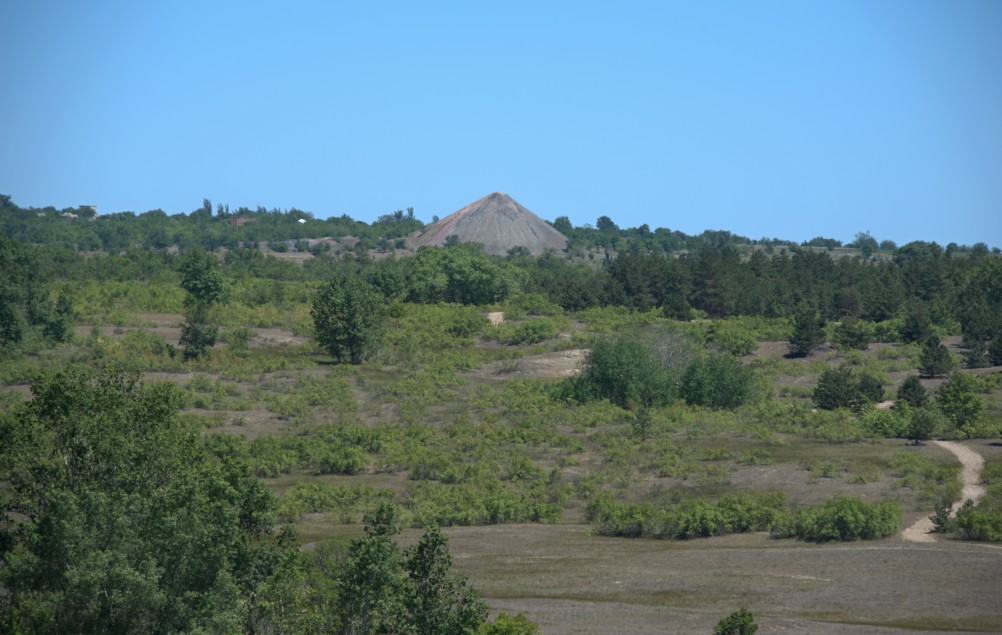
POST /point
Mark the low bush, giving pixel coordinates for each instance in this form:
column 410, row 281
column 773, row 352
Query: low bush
column 690, row 519
column 842, row 519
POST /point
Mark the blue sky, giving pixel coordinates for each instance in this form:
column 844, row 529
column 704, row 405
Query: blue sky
column 769, row 119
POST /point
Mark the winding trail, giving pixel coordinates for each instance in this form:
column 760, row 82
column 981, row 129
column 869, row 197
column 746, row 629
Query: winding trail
column 972, row 463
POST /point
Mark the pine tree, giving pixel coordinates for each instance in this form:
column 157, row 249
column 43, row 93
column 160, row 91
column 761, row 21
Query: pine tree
column 935, row 359
column 807, row 331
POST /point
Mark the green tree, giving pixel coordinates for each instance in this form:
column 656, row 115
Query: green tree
column 836, row 388
column 912, row 392
column 869, row 388
column 25, row 305
column 740, row 622
column 132, row 523
column 865, row 243
column 348, row 319
column 995, row 351
column 437, row 603
column 462, row 274
column 204, row 288
column 381, row 588
column 935, row 358
column 852, row 334
column 980, row 302
column 717, row 380
column 807, row 330
column 626, row 373
column 917, row 326
column 960, row 402
column 921, row 425
column 975, row 356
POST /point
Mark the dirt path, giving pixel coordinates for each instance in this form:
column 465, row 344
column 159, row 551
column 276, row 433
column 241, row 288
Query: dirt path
column 972, row 463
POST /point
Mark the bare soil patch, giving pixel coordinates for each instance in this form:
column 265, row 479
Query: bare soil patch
column 554, row 365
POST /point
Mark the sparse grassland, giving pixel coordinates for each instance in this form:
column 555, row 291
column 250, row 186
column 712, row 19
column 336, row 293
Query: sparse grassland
column 457, row 422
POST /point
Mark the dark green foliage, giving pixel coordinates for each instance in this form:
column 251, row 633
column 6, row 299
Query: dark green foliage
column 912, row 392
column 347, row 319
column 692, row 519
column 935, row 359
column 844, row 518
column 995, row 351
column 460, row 274
column 435, row 602
column 717, row 380
column 808, row 331
column 975, row 355
column 980, row 302
column 204, row 288
column 740, row 622
column 921, row 425
column 201, row 278
column 865, row 243
column 197, row 337
column 843, row 388
column 132, row 524
column 975, row 522
column 870, row 389
column 836, row 388
column 25, row 303
column 942, row 521
column 381, row 588
column 852, row 334
column 917, row 326
column 626, row 373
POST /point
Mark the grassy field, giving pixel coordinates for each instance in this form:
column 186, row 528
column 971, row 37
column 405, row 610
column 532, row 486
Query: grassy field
column 441, row 422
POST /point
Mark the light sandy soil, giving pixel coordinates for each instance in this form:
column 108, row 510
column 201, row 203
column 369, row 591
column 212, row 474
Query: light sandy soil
column 555, row 365
column 496, row 317
column 972, row 463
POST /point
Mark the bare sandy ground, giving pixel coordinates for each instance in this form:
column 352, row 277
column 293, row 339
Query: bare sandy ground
column 972, row 463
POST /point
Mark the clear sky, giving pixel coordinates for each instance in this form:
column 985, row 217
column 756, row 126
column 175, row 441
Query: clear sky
column 769, row 119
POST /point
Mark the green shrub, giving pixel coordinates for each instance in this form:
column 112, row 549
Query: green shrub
column 977, row 523
column 717, row 381
column 843, row 518
column 467, row 323
column 740, row 622
column 891, row 423
column 533, row 304
column 624, row 372
column 689, row 519
column 528, row 332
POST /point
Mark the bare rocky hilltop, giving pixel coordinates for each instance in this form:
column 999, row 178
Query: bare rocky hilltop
column 499, row 223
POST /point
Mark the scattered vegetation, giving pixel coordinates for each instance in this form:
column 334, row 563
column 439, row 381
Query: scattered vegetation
column 705, row 368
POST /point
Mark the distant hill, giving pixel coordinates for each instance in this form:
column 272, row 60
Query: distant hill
column 499, row 223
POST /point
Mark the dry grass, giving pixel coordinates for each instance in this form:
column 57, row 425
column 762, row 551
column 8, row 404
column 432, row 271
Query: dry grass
column 569, row 581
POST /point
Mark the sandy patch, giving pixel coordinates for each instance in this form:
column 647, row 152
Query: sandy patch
column 972, row 463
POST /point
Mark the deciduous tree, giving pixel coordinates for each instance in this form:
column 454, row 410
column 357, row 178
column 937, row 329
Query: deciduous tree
column 348, row 319
column 204, row 288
